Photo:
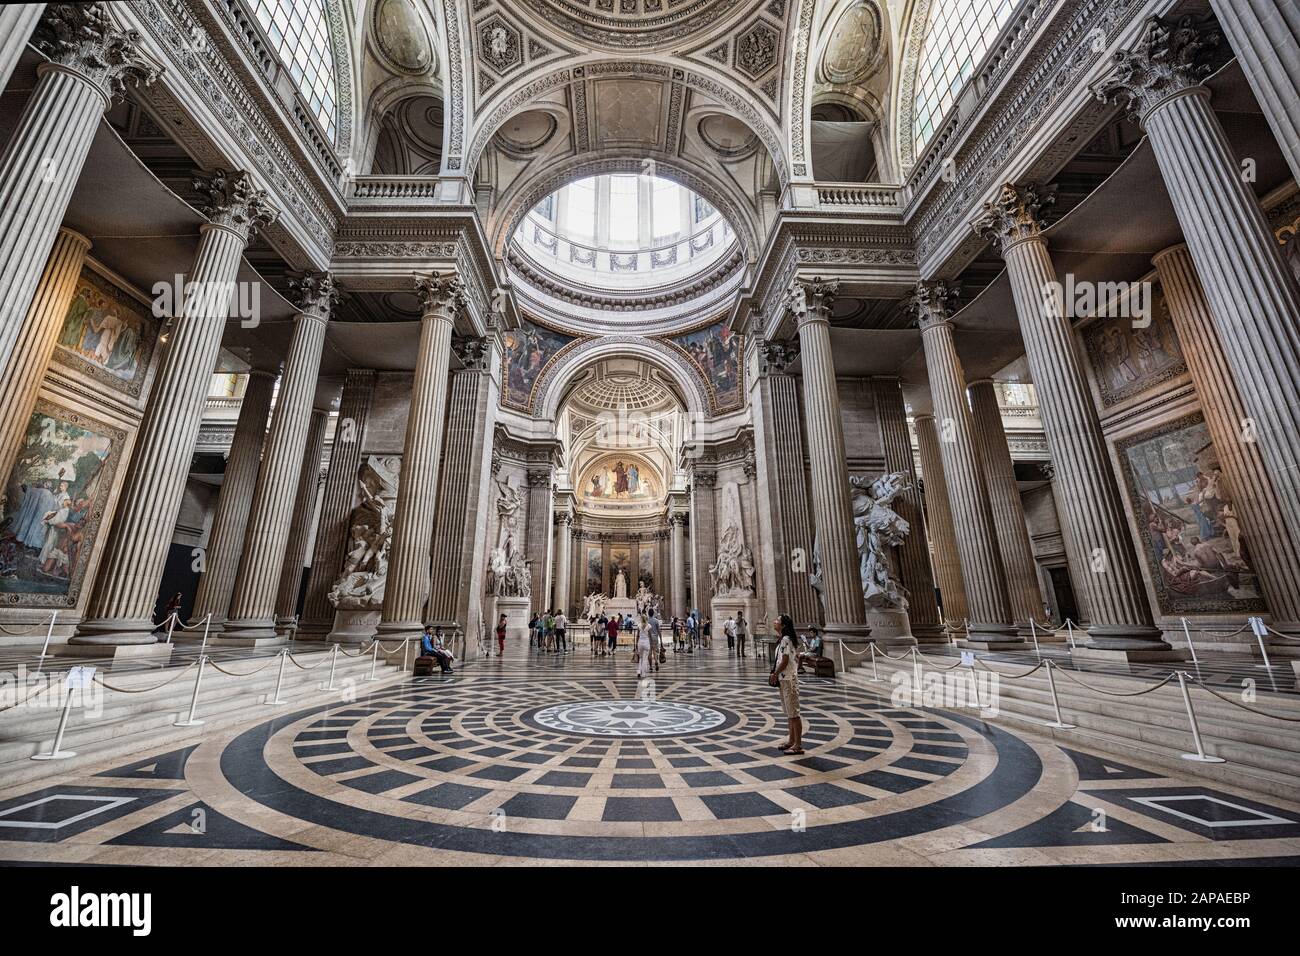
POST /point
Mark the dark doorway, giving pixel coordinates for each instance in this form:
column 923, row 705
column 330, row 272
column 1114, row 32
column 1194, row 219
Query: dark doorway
column 1063, row 591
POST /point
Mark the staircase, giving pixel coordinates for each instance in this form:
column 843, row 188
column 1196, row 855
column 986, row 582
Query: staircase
column 1261, row 754
column 138, row 718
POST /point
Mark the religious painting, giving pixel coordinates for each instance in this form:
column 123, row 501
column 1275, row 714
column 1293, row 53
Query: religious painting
column 1127, row 360
column 717, row 353
column 54, row 498
column 527, row 350
column 620, row 559
column 619, row 479
column 1190, row 535
column 107, row 334
column 595, row 570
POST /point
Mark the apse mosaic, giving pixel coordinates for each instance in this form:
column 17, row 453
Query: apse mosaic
column 717, row 354
column 620, row 480
column 1191, row 537
column 1128, row 361
column 53, row 499
column 107, row 334
column 527, row 350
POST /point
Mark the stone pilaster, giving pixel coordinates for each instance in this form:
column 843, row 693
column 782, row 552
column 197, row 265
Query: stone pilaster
column 991, row 624
column 121, row 606
column 942, row 533
column 704, row 535
column 563, row 559
column 677, row 558
column 537, row 546
column 913, row 556
column 1008, row 512
column 409, row 566
column 836, row 539
column 1253, row 297
column 39, row 332
column 253, row 603
column 1265, row 35
column 1273, row 549
column 226, row 538
column 1121, row 615
column 17, row 21
column 304, row 515
column 336, row 506
column 460, row 548
column 90, row 63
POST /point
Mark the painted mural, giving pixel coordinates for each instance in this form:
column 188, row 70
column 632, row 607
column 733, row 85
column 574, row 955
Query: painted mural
column 1128, row 361
column 107, row 334
column 53, row 498
column 1192, row 540
column 595, row 570
column 619, row 479
column 527, row 350
column 717, row 353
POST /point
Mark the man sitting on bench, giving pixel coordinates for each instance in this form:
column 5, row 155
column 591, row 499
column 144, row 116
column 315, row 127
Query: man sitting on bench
column 812, row 654
column 433, row 645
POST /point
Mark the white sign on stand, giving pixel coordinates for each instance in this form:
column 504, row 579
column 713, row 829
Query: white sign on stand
column 968, row 658
column 1257, row 627
column 79, row 678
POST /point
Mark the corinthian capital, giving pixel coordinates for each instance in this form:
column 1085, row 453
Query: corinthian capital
column 1015, row 215
column 233, row 201
column 929, row 303
column 811, row 299
column 439, row 293
column 775, row 358
column 1167, row 60
column 472, row 351
column 81, row 38
column 314, row 293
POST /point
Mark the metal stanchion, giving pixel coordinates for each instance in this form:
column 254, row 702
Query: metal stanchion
column 1069, row 629
column 57, row 752
column 1190, row 646
column 916, row 670
column 875, row 671
column 1257, row 625
column 406, row 653
column 1059, row 724
column 334, row 659
column 171, row 625
column 374, row 659
column 279, row 680
column 194, row 698
column 840, row 645
column 207, row 624
column 1200, row 755
column 49, row 632
column 975, row 686
column 1033, row 629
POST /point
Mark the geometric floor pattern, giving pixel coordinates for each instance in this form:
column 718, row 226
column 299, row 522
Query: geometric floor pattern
column 572, row 760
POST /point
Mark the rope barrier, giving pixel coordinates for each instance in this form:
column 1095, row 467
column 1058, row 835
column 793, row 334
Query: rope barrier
column 268, row 663
column 303, row 667
column 361, row 651
column 32, row 696
column 1276, row 633
column 933, row 664
column 1037, row 666
column 16, row 632
column 1107, row 693
column 1228, row 700
column 144, row 690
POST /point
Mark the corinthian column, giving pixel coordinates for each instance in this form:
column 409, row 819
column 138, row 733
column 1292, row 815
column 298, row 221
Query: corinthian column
column 841, row 581
column 1008, row 512
column 1272, row 547
column 336, row 506
column 991, row 625
column 121, row 607
column 938, row 522
column 90, row 63
column 677, row 560
column 1253, row 297
column 17, row 20
column 409, row 565
column 252, row 606
column 1121, row 615
column 39, row 333
column 913, row 555
column 1265, row 35
column 563, row 559
column 304, row 510
column 226, row 540
column 537, row 547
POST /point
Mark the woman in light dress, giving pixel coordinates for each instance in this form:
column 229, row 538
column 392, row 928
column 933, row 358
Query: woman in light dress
column 642, row 646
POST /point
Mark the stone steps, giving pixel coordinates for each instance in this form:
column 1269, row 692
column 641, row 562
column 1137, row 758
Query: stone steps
column 130, row 723
column 1261, row 753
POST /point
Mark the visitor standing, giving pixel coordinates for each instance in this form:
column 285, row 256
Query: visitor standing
column 729, row 628
column 656, row 640
column 561, row 632
column 742, row 631
column 642, row 647
column 501, row 636
column 785, row 675
column 611, row 633
column 708, row 632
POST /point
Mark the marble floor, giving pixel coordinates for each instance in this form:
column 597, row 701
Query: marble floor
column 568, row 759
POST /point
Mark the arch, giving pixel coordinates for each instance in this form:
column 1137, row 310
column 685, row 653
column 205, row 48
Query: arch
column 559, row 377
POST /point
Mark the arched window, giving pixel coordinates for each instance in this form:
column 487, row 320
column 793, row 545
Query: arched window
column 958, row 36
column 299, row 33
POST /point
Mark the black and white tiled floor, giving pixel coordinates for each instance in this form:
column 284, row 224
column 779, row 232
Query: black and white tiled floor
column 571, row 760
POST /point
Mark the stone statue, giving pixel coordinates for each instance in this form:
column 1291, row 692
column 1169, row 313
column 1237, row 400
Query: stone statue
column 644, row 599
column 360, row 585
column 620, row 585
column 509, row 574
column 733, row 572
column 880, row 530
column 593, row 605
column 816, row 579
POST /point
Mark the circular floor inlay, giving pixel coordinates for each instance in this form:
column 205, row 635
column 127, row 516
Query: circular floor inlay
column 629, row 718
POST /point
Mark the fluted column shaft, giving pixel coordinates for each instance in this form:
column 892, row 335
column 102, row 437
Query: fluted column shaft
column 845, row 609
column 121, row 609
column 939, row 524
column 1265, row 35
column 252, row 606
column 337, row 503
column 1023, row 590
column 226, row 539
column 913, row 556
column 38, row 334
column 304, row 511
column 409, row 566
column 977, row 542
column 43, row 157
column 1273, row 547
column 678, row 562
column 563, row 559
column 704, row 536
column 17, row 21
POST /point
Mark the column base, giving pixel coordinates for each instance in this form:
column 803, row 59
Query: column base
column 399, row 630
column 991, row 637
column 1134, row 640
column 1044, row 635
column 250, row 632
column 930, row 634
column 118, row 653
column 116, row 633
column 313, row 630
column 226, row 640
column 1131, row 655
